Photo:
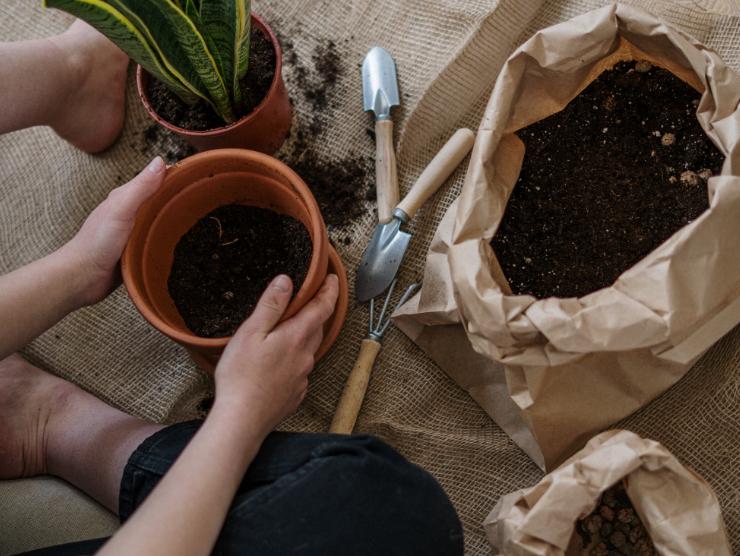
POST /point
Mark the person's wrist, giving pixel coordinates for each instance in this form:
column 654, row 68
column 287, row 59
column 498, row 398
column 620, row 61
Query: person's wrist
column 245, row 420
column 77, row 274
column 245, row 413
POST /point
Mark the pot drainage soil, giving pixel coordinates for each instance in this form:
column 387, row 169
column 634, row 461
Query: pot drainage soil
column 223, row 264
column 614, row 528
column 200, row 116
column 604, row 182
column 340, row 184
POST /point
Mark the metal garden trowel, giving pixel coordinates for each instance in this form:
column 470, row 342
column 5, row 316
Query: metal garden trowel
column 383, row 256
column 380, row 95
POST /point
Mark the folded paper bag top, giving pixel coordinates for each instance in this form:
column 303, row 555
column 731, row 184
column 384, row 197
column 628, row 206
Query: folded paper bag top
column 553, row 372
column 678, row 508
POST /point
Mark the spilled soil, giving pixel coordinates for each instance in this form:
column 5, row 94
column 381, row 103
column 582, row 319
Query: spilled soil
column 604, row 182
column 342, row 185
column 223, row 264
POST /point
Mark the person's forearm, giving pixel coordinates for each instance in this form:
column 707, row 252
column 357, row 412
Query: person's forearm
column 185, row 512
column 35, row 297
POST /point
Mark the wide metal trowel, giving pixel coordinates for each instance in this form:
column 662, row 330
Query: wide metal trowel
column 384, row 254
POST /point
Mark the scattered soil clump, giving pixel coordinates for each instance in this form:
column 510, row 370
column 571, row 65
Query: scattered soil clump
column 171, row 147
column 604, row 182
column 340, row 184
column 200, row 116
column 614, row 528
column 223, row 264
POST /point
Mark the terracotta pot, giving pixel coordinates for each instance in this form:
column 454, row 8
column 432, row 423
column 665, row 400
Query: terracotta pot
column 264, row 129
column 193, row 188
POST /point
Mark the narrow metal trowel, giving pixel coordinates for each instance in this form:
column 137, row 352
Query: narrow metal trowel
column 384, row 254
column 380, row 95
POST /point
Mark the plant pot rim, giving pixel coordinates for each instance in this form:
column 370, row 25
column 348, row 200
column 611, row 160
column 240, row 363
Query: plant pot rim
column 244, row 120
column 139, row 295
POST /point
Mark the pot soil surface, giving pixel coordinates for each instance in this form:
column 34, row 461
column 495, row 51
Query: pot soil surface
column 614, row 528
column 604, row 182
column 223, row 264
column 200, row 116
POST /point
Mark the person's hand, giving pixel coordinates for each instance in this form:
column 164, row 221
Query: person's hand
column 264, row 369
column 96, row 249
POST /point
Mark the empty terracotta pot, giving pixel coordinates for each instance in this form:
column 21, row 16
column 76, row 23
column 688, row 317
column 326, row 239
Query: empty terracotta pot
column 193, row 188
column 264, row 129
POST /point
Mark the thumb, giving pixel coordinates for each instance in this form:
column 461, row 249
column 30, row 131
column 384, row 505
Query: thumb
column 129, row 197
column 270, row 307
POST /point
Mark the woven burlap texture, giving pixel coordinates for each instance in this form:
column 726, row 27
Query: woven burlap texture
column 448, row 55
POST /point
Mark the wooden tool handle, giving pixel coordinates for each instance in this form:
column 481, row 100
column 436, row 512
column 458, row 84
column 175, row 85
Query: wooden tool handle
column 439, row 169
column 354, row 391
column 386, row 174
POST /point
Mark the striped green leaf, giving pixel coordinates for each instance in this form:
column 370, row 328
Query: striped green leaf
column 166, row 44
column 226, row 24
column 198, row 48
column 192, row 10
column 125, row 34
column 195, row 48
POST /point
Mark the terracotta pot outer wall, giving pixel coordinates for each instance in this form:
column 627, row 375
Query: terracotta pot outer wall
column 146, row 275
column 264, row 130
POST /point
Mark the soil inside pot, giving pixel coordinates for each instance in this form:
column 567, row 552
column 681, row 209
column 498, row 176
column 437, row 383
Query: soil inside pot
column 223, row 264
column 200, row 116
column 614, row 528
column 604, row 182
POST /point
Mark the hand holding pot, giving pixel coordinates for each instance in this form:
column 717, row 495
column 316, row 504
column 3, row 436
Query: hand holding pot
column 263, row 373
column 97, row 247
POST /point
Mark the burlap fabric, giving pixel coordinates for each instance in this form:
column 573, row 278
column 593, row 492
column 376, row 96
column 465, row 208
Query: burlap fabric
column 448, row 54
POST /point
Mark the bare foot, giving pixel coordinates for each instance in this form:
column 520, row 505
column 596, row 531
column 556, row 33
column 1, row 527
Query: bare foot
column 92, row 113
column 30, row 401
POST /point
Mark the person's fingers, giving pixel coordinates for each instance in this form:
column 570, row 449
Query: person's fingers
column 270, row 307
column 126, row 199
column 320, row 308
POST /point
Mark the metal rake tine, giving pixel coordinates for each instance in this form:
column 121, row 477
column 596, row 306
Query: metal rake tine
column 388, row 297
column 404, row 298
column 372, row 315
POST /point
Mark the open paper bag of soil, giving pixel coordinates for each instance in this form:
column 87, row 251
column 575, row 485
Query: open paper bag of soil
column 621, row 494
column 554, row 370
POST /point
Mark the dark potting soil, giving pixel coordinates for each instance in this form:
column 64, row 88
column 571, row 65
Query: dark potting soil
column 341, row 185
column 171, row 147
column 223, row 264
column 614, row 528
column 604, row 182
column 200, row 116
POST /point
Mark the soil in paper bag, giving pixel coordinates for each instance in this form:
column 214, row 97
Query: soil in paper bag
column 613, row 528
column 604, row 182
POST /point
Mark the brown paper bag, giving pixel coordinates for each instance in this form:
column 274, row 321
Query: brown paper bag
column 678, row 508
column 553, row 372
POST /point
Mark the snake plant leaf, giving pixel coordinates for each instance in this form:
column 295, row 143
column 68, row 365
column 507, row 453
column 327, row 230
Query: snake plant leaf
column 192, row 10
column 125, row 34
column 195, row 48
column 226, row 24
column 166, row 43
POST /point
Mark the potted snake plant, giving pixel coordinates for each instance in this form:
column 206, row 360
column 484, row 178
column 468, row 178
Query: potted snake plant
column 208, row 70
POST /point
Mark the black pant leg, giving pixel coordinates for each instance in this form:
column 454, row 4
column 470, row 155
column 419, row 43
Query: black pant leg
column 313, row 494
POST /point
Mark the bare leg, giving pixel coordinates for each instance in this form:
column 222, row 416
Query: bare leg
column 50, row 426
column 73, row 82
